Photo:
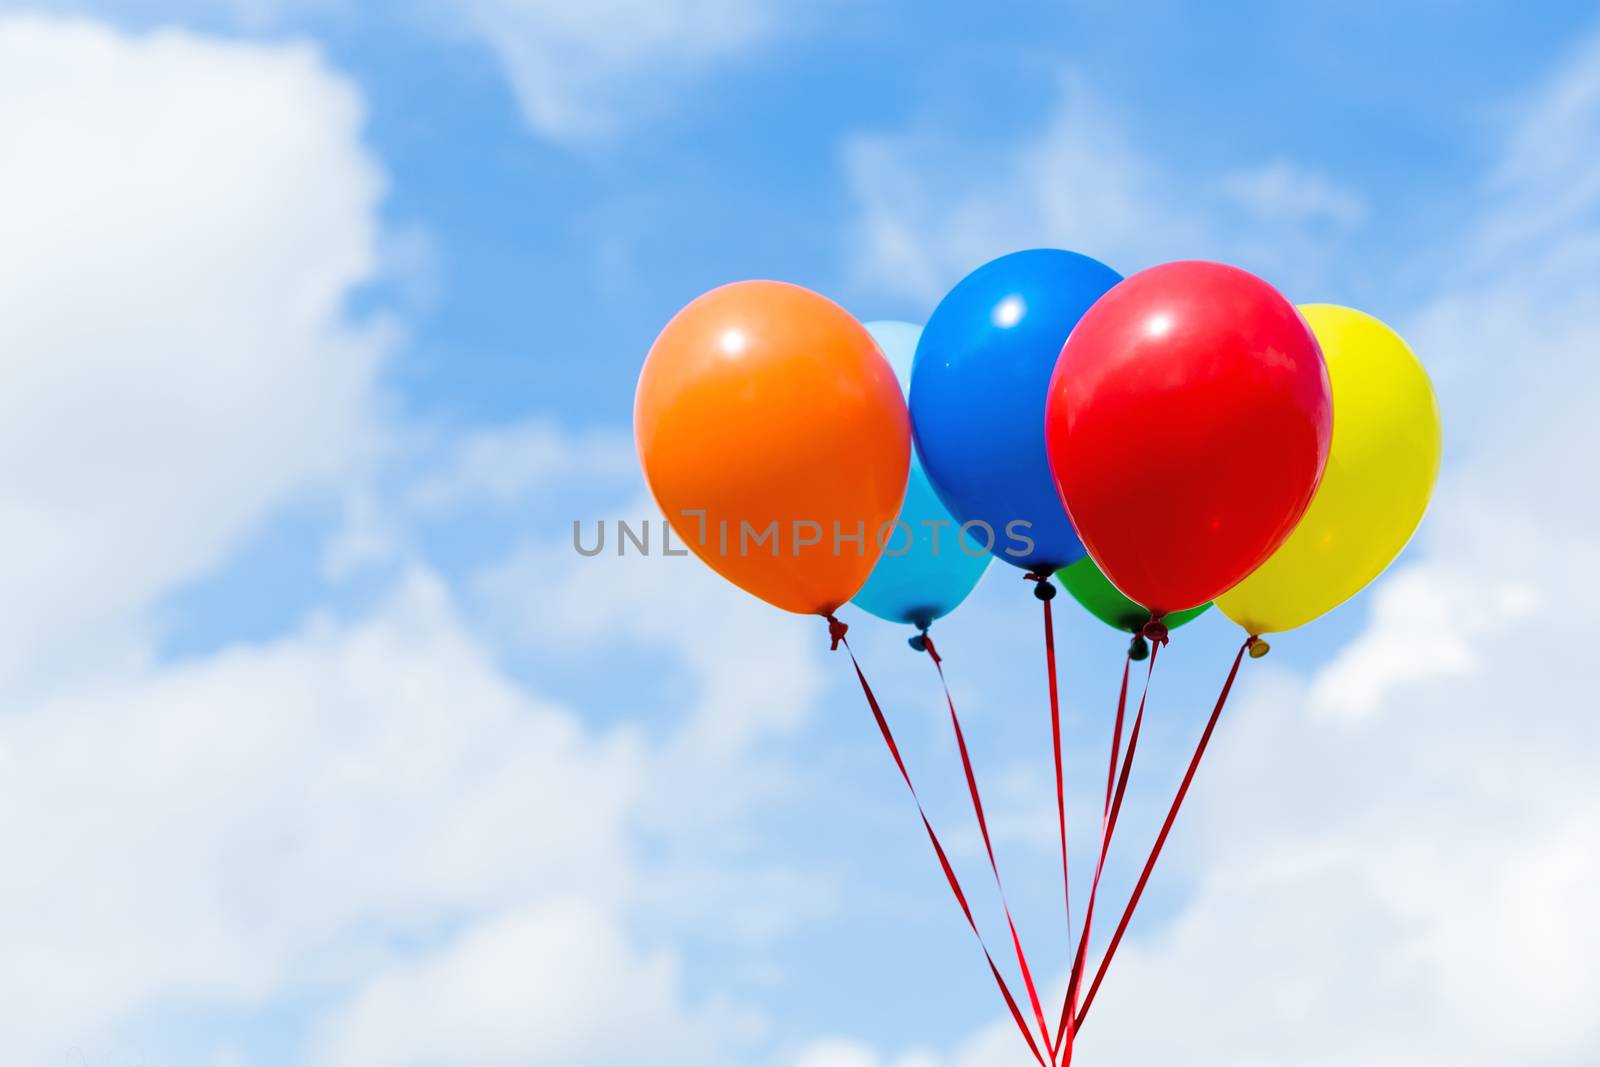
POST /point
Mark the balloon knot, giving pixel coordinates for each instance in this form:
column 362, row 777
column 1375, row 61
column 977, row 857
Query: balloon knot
column 1138, row 648
column 1257, row 647
column 1044, row 590
column 918, row 642
column 1155, row 631
column 836, row 632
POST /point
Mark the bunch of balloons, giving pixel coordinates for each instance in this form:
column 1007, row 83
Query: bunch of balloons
column 1158, row 443
column 1182, row 436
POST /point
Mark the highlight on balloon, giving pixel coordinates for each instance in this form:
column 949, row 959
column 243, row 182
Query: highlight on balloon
column 1156, row 444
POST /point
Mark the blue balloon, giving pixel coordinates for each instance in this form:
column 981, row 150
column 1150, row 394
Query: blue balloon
column 924, row 571
column 983, row 370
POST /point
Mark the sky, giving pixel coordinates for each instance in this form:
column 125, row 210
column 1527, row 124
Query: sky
column 319, row 323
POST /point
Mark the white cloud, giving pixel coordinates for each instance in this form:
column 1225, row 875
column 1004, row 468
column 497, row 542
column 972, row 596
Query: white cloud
column 538, row 974
column 445, row 474
column 268, row 818
column 1427, row 625
column 932, row 207
column 554, row 984
column 249, row 14
column 1547, row 179
column 346, row 812
column 1286, row 193
column 375, row 813
column 996, row 1045
column 1408, row 887
column 584, row 70
column 837, row 1053
column 580, row 72
column 510, row 463
column 183, row 220
column 761, row 668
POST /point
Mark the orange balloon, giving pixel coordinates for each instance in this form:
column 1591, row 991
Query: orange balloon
column 775, row 438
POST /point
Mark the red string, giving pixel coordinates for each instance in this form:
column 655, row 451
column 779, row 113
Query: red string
column 1105, row 817
column 1055, row 737
column 1066, row 1030
column 988, row 845
column 836, row 632
column 1166, row 827
column 1116, row 747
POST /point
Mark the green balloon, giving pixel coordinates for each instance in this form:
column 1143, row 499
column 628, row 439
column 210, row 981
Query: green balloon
column 1094, row 591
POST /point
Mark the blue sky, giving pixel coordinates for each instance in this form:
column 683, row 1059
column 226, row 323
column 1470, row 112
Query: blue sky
column 319, row 745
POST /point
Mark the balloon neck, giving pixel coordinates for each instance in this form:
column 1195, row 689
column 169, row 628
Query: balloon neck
column 1043, row 587
column 1138, row 648
column 1155, row 631
column 836, row 632
column 1257, row 647
column 919, row 641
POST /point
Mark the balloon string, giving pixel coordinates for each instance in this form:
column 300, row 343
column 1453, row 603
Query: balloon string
column 836, row 633
column 1066, row 1030
column 1166, row 827
column 1055, row 737
column 1105, row 819
column 988, row 845
column 1116, row 747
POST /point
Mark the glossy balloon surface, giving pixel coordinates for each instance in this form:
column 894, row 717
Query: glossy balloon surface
column 764, row 407
column 925, row 571
column 1188, row 425
column 978, row 392
column 1381, row 469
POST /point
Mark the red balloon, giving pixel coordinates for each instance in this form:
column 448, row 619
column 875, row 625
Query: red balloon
column 1187, row 425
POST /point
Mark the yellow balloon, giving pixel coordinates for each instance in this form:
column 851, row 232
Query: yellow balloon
column 1381, row 468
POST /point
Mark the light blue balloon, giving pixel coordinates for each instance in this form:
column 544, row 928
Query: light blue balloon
column 925, row 571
